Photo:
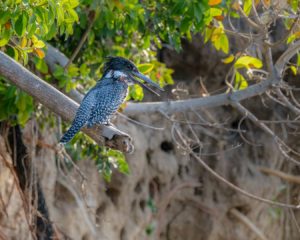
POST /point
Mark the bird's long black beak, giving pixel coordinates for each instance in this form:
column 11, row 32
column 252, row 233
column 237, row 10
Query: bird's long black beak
column 142, row 76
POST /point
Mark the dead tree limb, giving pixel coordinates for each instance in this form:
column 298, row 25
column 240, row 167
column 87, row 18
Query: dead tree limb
column 61, row 105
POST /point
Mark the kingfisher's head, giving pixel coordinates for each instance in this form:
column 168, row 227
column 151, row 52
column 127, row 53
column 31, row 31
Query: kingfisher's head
column 121, row 69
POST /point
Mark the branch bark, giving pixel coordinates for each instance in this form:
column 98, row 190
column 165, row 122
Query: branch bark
column 274, row 78
column 197, row 103
column 58, row 103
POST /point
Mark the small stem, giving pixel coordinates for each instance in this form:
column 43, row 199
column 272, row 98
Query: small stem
column 79, row 45
column 248, row 20
column 285, row 36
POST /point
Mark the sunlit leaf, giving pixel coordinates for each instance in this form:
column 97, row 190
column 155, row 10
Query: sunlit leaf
column 224, row 43
column 216, row 34
column 145, row 68
column 34, row 39
column 229, row 59
column 291, row 38
column 246, row 61
column 24, row 42
column 247, row 6
column 16, row 54
column 39, row 44
column 5, row 38
column 294, row 69
column 240, row 82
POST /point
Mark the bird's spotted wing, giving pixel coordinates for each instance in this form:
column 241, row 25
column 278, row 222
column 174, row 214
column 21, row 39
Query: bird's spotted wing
column 82, row 115
column 110, row 98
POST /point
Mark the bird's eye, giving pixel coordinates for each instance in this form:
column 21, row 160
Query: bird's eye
column 128, row 66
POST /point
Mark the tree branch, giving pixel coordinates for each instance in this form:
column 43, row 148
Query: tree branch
column 198, row 103
column 280, row 174
column 282, row 40
column 247, row 223
column 229, row 184
column 58, row 103
column 248, row 20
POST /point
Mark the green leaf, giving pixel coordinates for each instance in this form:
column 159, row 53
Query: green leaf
column 106, row 177
column 247, row 7
column 21, row 101
column 185, row 25
column 224, row 43
column 294, row 4
column 216, row 12
column 217, row 44
column 294, row 69
column 208, row 34
column 32, row 30
column 73, row 3
column 83, row 69
column 234, row 14
column 245, row 61
column 5, row 15
column 16, row 54
column 2, row 87
column 51, row 32
column 138, row 93
column 146, row 42
column 5, row 37
column 63, row 82
column 291, row 38
column 69, row 85
column 179, row 8
column 198, row 12
column 91, row 36
column 40, row 64
column 240, row 82
column 83, row 21
column 21, row 24
column 25, row 58
column 23, row 117
column 156, row 40
column 145, row 68
column 123, row 166
column 58, row 72
column 10, row 93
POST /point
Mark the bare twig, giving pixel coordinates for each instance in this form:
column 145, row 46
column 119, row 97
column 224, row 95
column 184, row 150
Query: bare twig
column 280, row 174
column 79, row 45
column 25, row 206
column 284, row 38
column 248, row 20
column 166, row 202
column 80, row 205
column 232, row 186
column 248, row 223
column 139, row 123
column 287, row 102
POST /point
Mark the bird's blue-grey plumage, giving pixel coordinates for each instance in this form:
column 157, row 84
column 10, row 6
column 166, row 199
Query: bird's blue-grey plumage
column 106, row 97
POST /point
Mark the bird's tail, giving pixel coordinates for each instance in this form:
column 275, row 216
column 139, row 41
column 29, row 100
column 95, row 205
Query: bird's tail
column 70, row 133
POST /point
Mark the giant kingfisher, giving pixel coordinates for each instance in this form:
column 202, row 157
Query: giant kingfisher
column 106, row 97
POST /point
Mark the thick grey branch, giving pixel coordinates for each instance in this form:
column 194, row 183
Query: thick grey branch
column 58, row 103
column 198, row 103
